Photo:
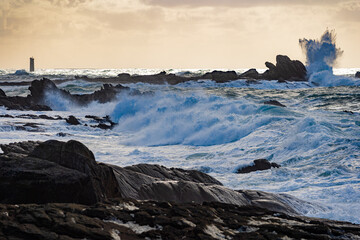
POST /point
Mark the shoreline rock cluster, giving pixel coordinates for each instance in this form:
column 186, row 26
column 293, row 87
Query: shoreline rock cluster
column 284, row 70
column 56, row 190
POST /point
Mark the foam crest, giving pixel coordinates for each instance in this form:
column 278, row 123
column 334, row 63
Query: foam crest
column 190, row 119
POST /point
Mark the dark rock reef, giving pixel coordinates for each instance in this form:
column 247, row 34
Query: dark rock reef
column 259, row 165
column 51, row 181
column 130, row 219
column 40, row 88
column 357, row 74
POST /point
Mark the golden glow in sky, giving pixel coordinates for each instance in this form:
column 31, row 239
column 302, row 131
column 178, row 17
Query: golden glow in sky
column 169, row 33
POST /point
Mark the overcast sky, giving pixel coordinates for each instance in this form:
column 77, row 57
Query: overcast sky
column 170, row 33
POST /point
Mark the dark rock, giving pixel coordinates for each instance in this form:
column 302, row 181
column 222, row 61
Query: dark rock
column 154, row 182
column 275, row 103
column 357, row 74
column 251, row 73
column 125, row 219
column 259, row 165
column 2, row 93
column 39, row 89
column 220, row 76
column 62, row 134
column 347, row 111
column 22, row 103
column 72, row 120
column 285, row 69
column 53, row 171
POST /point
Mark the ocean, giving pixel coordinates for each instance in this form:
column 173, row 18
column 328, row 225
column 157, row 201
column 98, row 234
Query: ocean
column 217, row 128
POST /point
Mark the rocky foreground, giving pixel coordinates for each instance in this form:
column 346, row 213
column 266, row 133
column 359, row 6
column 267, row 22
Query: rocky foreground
column 56, row 190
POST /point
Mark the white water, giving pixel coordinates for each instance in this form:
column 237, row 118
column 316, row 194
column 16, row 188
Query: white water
column 216, row 128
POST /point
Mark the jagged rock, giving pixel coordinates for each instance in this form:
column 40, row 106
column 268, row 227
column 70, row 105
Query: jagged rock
column 72, row 120
column 39, row 89
column 2, row 93
column 275, row 103
column 126, row 219
column 259, row 165
column 251, row 73
column 357, row 74
column 285, row 69
column 53, row 171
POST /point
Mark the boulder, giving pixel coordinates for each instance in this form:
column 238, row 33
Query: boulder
column 285, row 69
column 2, row 93
column 53, row 171
column 251, row 73
column 275, row 103
column 259, row 165
column 220, row 76
column 357, row 74
column 72, row 120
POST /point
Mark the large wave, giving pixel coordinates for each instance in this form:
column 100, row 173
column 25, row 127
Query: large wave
column 190, row 119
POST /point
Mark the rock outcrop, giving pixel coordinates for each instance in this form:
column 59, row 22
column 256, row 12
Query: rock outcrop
column 259, row 165
column 127, row 219
column 40, row 88
column 285, row 69
column 154, row 182
column 357, row 74
column 53, row 171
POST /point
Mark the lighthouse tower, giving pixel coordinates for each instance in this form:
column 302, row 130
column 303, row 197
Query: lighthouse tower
column 32, row 64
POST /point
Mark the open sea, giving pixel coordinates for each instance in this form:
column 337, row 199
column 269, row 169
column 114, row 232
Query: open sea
column 217, row 128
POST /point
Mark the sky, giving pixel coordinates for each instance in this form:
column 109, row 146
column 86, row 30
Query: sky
column 223, row 34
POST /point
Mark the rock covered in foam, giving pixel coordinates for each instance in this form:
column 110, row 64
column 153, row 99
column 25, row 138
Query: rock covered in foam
column 53, row 171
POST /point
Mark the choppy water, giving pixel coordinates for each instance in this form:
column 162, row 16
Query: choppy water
column 216, row 128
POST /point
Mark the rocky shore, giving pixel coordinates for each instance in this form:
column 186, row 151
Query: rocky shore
column 284, row 70
column 57, row 190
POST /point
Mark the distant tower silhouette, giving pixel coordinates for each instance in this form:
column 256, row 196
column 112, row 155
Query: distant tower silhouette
column 32, row 64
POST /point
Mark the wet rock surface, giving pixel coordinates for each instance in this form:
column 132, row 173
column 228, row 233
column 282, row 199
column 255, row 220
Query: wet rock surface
column 129, row 219
column 259, row 165
column 357, row 74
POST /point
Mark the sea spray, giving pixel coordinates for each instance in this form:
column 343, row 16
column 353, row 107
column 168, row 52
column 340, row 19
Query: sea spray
column 321, row 55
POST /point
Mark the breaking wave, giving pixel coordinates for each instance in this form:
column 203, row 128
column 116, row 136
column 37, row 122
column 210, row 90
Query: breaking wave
column 321, row 57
